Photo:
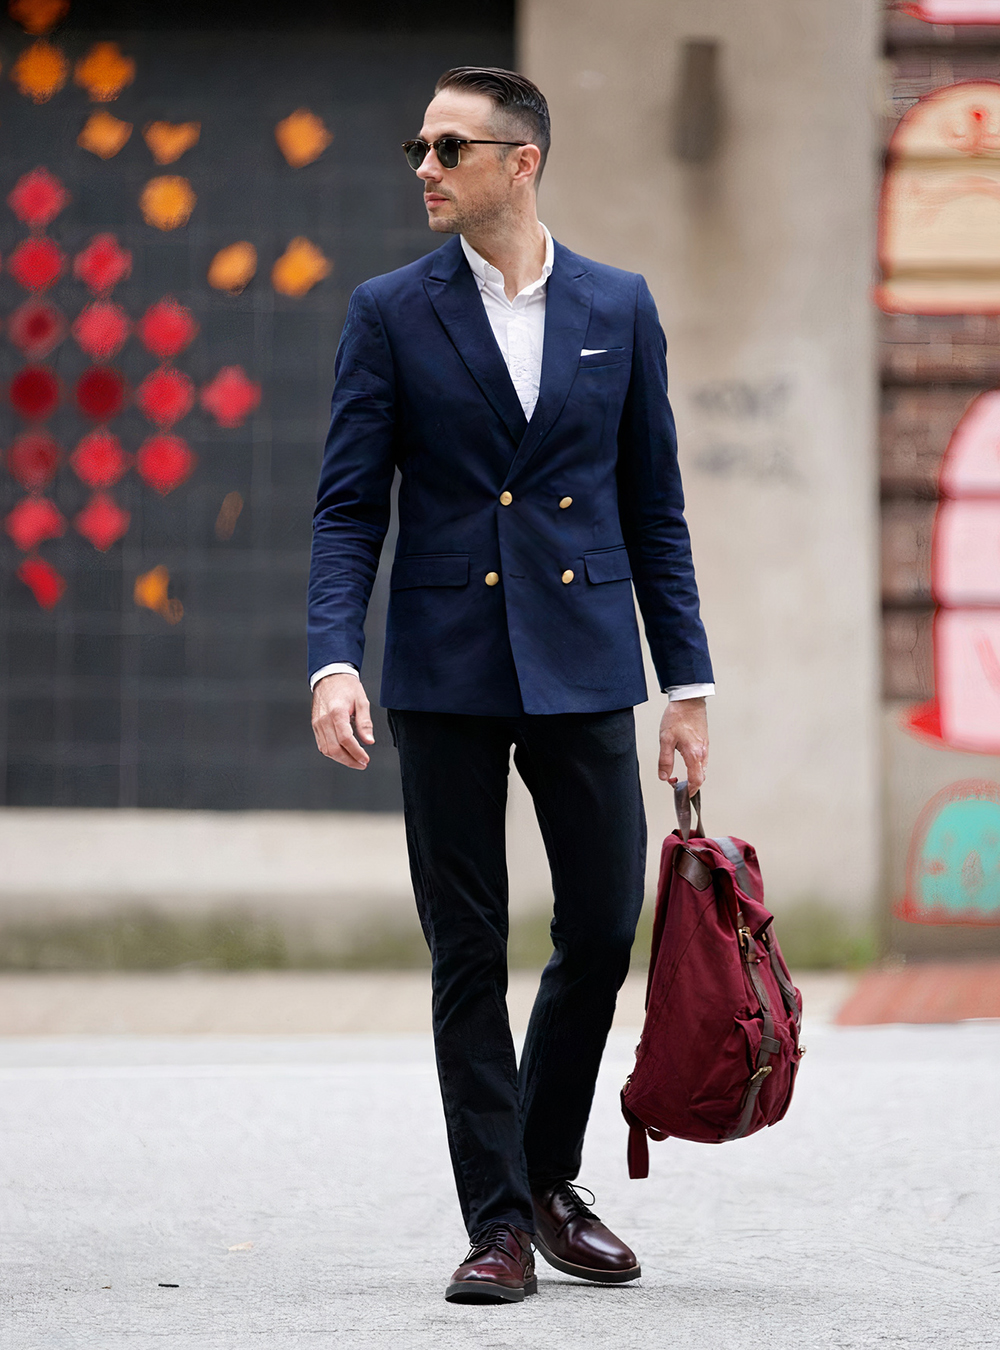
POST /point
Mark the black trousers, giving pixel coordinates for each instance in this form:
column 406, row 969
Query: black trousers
column 510, row 1129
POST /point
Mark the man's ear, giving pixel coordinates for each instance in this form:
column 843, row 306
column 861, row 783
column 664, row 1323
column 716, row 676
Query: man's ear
column 528, row 159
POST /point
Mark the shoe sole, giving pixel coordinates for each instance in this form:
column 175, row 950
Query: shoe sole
column 587, row 1272
column 481, row 1291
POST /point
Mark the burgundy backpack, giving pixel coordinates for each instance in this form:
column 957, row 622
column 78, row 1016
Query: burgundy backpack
column 720, row 1042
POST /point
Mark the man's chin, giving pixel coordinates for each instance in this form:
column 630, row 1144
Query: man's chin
column 444, row 225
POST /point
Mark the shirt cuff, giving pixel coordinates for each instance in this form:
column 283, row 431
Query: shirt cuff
column 675, row 692
column 337, row 668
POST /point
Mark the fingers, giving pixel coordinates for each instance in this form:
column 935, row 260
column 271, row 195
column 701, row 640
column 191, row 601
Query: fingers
column 334, row 710
column 696, row 761
column 363, row 719
column 666, row 767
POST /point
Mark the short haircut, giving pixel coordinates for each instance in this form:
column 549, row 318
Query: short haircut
column 520, row 103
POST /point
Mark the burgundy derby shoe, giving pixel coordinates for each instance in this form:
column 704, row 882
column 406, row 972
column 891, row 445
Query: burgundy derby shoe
column 572, row 1238
column 499, row 1268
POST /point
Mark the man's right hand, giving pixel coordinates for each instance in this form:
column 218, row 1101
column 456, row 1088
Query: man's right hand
column 338, row 702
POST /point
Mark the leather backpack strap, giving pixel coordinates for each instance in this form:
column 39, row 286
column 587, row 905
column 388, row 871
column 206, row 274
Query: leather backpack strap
column 683, row 803
column 769, row 1044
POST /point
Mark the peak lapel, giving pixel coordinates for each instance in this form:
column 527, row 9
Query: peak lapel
column 568, row 298
column 452, row 290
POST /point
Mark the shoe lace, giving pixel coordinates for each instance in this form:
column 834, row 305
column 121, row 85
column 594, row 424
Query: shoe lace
column 492, row 1237
column 574, row 1200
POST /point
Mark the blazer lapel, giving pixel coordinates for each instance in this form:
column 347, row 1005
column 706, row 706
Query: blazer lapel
column 569, row 295
column 452, row 290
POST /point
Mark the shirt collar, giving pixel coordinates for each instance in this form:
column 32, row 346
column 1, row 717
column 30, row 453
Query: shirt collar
column 485, row 272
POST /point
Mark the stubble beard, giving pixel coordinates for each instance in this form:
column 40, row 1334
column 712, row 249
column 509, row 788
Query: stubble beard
column 475, row 218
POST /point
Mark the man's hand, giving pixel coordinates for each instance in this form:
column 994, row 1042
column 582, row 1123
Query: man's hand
column 339, row 701
column 684, row 731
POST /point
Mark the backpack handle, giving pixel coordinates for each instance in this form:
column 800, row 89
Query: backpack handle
column 683, row 803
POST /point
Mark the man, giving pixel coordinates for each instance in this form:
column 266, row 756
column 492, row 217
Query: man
column 521, row 392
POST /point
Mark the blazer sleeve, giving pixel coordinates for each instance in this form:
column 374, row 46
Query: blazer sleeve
column 651, row 508
column 353, row 502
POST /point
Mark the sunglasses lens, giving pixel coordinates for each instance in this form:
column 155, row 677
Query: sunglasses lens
column 449, row 148
column 416, row 152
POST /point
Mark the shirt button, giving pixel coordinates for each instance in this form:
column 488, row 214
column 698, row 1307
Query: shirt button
column 492, row 578
column 567, row 577
column 566, row 501
column 505, row 499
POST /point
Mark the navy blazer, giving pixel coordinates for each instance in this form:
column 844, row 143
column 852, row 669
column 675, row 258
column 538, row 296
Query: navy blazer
column 421, row 386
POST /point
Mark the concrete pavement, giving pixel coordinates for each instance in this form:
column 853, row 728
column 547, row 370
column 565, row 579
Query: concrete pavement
column 296, row 1190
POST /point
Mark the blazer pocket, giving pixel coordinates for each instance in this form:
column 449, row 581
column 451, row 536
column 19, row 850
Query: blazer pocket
column 608, row 564
column 429, row 569
column 614, row 356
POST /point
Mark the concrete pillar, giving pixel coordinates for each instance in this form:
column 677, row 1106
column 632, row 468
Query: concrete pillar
column 760, row 259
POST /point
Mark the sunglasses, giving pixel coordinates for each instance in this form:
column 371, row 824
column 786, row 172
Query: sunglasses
column 448, row 150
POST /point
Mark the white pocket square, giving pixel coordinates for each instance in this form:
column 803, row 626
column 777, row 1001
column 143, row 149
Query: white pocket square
column 593, row 351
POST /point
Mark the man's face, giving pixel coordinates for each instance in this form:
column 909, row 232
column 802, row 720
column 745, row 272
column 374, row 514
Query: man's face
column 478, row 192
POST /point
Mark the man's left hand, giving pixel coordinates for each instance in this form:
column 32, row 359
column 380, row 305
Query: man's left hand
column 684, row 731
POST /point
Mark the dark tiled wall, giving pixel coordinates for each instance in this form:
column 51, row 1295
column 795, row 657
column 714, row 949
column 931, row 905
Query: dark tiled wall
column 106, row 704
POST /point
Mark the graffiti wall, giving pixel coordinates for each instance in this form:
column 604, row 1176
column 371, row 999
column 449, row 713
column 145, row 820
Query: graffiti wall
column 188, row 196
column 939, row 254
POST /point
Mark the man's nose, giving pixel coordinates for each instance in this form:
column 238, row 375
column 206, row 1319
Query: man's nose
column 430, row 170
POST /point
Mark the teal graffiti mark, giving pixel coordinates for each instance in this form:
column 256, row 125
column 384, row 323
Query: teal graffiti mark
column 954, row 867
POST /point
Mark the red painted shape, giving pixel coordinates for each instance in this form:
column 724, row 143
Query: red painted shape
column 165, row 396
column 231, row 396
column 100, row 393
column 164, row 461
column 101, row 329
column 99, row 460
column 102, row 521
column 32, row 521
column 925, row 991
column 35, row 263
column 37, row 197
column 166, row 328
column 37, row 327
column 42, row 579
column 102, row 264
column 34, row 392
column 33, row 459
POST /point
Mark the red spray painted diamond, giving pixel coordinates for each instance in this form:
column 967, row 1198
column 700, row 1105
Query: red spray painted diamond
column 164, row 461
column 231, row 396
column 37, row 198
column 42, row 579
column 32, row 521
column 33, row 459
column 99, row 460
column 102, row 264
column 100, row 392
column 102, row 521
column 101, row 329
column 34, row 392
column 35, row 264
column 165, row 396
column 37, row 328
column 167, row 327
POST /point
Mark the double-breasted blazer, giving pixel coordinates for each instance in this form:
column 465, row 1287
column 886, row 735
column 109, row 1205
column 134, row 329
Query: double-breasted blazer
column 519, row 541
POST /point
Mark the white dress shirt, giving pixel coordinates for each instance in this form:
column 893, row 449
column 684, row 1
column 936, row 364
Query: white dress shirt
column 519, row 328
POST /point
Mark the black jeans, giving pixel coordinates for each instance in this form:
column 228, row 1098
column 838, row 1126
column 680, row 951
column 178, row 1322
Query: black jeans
column 509, row 1130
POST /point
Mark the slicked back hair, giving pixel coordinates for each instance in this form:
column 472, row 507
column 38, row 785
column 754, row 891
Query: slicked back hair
column 520, row 103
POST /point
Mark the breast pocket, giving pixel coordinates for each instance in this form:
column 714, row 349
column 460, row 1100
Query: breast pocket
column 608, row 564
column 429, row 569
column 614, row 356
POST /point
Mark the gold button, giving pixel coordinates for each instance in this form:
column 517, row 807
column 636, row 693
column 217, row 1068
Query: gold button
column 566, row 501
column 505, row 499
column 567, row 577
column 492, row 578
